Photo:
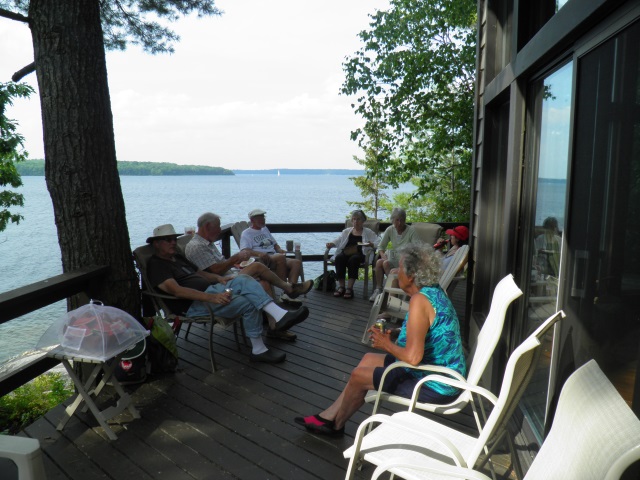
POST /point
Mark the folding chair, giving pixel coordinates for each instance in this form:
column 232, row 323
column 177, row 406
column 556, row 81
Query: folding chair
column 141, row 256
column 410, row 438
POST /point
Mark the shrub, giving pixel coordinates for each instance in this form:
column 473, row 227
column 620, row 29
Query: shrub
column 29, row 402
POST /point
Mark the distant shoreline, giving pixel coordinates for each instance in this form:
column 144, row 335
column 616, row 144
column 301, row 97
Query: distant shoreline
column 35, row 168
column 300, row 171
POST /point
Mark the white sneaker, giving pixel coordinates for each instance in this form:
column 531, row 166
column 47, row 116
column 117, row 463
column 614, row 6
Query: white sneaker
column 374, row 295
column 286, row 298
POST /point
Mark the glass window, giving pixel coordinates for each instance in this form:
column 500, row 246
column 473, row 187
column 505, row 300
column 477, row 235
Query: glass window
column 548, row 164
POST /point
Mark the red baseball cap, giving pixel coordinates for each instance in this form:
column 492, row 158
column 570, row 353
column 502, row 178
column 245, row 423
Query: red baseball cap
column 460, row 232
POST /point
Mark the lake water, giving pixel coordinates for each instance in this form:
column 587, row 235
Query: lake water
column 29, row 252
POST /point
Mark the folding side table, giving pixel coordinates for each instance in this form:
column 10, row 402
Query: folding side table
column 90, row 390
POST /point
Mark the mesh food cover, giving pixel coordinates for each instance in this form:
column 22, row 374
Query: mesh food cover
column 93, row 332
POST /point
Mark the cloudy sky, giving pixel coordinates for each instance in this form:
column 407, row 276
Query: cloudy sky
column 255, row 88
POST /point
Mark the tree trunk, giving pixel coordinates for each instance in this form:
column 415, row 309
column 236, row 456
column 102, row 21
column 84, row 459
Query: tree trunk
column 80, row 167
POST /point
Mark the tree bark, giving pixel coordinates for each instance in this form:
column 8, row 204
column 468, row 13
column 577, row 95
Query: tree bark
column 79, row 146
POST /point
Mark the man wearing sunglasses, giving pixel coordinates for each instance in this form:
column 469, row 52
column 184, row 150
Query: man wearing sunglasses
column 172, row 273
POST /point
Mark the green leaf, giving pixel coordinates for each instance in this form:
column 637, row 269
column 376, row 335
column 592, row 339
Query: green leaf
column 413, row 79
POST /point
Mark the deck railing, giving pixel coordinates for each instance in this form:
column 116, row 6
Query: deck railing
column 37, row 295
column 40, row 294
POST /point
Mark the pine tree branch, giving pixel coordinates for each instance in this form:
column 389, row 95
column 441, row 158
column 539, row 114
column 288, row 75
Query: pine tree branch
column 13, row 16
column 23, row 72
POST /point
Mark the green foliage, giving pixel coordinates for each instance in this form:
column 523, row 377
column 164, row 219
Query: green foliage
column 373, row 184
column 415, row 75
column 36, row 168
column 11, row 151
column 29, row 402
column 138, row 21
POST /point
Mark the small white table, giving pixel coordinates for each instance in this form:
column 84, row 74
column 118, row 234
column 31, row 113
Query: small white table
column 90, row 390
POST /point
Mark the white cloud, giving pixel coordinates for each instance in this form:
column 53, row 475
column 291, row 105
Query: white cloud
column 255, row 88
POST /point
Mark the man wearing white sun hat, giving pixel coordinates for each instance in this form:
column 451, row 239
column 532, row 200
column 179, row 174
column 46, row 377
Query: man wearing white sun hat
column 172, row 273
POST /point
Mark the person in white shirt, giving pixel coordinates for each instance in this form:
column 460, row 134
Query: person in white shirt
column 258, row 241
column 352, row 245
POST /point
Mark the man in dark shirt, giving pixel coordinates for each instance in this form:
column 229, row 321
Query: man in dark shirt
column 198, row 290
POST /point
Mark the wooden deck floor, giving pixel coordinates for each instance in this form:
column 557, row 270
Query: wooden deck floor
column 234, row 424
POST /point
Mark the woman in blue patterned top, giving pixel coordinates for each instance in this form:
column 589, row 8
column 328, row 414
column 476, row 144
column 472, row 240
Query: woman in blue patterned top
column 430, row 334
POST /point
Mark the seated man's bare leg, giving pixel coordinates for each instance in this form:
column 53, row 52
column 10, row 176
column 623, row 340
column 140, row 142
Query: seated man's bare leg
column 278, row 265
column 260, row 271
column 294, row 267
column 266, row 286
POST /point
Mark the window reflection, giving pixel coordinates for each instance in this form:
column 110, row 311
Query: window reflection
column 552, row 115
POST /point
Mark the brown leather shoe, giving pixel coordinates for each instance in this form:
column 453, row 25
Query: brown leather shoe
column 301, row 288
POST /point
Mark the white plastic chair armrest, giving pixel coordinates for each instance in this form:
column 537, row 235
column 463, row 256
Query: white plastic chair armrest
column 428, row 368
column 394, row 291
column 443, row 469
column 462, row 385
column 390, row 278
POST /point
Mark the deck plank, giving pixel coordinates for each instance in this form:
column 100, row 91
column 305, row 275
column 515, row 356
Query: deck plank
column 236, row 423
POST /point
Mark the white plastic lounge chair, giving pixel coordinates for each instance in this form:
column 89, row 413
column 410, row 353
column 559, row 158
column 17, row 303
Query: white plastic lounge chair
column 410, row 438
column 594, row 436
column 393, row 301
column 449, row 277
column 505, row 292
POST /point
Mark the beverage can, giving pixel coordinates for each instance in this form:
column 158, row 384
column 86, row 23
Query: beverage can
column 229, row 291
column 381, row 324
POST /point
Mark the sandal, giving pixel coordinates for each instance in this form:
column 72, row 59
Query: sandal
column 317, row 424
column 348, row 294
column 339, row 292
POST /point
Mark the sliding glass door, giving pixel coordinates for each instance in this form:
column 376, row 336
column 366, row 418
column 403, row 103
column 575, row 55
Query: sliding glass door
column 601, row 293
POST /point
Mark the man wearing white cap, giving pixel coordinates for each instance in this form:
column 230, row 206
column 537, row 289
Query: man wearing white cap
column 202, row 252
column 195, row 288
column 259, row 242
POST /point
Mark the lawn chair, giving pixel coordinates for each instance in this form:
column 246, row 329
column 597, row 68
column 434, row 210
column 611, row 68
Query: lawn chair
column 410, row 438
column 237, row 229
column 505, row 292
column 394, row 302
column 594, row 436
column 182, row 241
column 452, row 275
column 372, row 224
column 428, row 233
column 158, row 299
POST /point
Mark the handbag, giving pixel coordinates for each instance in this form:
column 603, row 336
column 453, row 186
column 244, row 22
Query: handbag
column 350, row 250
column 331, row 281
